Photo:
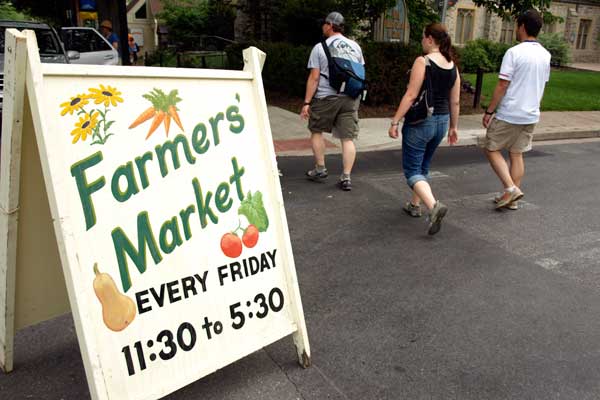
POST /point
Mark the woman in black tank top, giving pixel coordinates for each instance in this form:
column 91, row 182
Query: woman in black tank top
column 419, row 140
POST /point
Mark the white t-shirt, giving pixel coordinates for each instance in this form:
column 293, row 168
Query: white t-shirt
column 527, row 67
column 339, row 46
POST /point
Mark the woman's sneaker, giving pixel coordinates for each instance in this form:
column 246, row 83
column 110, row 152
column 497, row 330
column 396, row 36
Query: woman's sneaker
column 317, row 176
column 435, row 217
column 412, row 210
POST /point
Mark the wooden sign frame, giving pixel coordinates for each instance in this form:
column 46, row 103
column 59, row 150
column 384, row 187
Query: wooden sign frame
column 35, row 277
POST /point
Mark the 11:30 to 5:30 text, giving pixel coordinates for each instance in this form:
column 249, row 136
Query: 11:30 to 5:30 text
column 185, row 337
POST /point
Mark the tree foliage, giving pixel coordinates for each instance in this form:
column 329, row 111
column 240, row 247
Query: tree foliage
column 188, row 20
column 508, row 8
column 9, row 12
column 419, row 14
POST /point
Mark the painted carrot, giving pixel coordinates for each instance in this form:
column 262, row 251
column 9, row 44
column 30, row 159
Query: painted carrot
column 167, row 122
column 160, row 115
column 145, row 116
column 173, row 113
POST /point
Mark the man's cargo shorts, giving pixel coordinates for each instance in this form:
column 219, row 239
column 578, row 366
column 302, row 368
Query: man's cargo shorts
column 337, row 114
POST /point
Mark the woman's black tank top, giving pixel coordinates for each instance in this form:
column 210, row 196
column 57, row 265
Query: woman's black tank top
column 442, row 81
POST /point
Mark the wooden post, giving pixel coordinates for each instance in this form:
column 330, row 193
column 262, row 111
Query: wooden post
column 478, row 87
column 10, row 164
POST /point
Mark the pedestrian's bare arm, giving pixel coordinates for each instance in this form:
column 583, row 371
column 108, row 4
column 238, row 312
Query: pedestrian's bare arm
column 499, row 92
column 417, row 76
column 312, row 82
column 454, row 110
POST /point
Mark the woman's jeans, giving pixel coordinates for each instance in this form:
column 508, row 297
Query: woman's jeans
column 418, row 145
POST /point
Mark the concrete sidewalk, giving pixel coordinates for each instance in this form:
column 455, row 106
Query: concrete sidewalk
column 291, row 135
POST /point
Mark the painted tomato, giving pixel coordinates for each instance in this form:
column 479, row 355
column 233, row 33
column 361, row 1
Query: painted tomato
column 231, row 245
column 250, row 236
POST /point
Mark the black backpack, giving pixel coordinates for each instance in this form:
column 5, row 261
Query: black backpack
column 345, row 76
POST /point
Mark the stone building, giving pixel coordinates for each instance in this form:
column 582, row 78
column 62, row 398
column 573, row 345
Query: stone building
column 580, row 26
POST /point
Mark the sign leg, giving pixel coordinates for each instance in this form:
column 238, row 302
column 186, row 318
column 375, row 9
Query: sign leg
column 10, row 166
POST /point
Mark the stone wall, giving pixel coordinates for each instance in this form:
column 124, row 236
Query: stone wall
column 489, row 26
column 575, row 13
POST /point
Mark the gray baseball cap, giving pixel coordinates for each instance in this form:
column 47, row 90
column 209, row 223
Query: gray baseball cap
column 335, row 18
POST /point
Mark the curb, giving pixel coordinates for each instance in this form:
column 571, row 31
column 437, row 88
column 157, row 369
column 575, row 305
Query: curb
column 470, row 138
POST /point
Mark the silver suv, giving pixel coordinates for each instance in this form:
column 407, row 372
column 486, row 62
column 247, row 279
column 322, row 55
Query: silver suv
column 92, row 47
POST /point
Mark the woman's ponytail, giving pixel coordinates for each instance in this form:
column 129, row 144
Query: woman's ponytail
column 440, row 35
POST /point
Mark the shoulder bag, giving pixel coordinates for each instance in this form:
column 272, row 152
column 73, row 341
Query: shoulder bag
column 422, row 108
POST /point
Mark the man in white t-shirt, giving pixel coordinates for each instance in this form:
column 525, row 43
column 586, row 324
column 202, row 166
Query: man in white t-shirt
column 515, row 107
column 325, row 108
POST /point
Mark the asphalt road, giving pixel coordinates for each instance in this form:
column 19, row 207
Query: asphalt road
column 498, row 305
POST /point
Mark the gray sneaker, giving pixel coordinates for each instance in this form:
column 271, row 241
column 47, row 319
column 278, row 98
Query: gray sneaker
column 317, row 176
column 435, row 217
column 345, row 185
column 412, row 210
column 511, row 206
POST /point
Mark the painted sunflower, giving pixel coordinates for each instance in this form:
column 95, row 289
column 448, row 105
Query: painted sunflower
column 76, row 103
column 84, row 127
column 106, row 94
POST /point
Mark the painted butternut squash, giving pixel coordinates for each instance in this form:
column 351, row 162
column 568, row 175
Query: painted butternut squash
column 118, row 310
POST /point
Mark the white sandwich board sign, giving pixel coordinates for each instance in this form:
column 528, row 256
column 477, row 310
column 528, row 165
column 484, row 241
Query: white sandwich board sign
column 158, row 188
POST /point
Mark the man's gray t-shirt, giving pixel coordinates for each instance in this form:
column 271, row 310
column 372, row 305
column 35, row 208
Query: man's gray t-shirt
column 339, row 46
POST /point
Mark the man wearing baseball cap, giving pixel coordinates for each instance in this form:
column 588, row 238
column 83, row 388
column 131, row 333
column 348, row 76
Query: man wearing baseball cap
column 325, row 108
column 107, row 31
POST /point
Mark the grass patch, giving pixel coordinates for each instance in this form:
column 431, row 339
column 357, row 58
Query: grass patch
column 566, row 90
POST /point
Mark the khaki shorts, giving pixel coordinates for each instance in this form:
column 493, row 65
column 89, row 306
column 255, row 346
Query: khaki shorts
column 335, row 114
column 503, row 135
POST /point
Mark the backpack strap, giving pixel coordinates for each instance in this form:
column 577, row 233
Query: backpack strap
column 328, row 55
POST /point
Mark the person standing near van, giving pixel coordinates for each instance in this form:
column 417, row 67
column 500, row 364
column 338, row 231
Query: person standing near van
column 325, row 108
column 421, row 139
column 106, row 29
column 514, row 109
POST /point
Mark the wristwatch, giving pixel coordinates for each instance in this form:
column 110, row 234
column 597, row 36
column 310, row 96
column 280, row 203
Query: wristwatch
column 392, row 123
column 306, row 103
column 489, row 113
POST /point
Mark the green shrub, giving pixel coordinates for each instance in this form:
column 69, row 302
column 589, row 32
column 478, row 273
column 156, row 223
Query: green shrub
column 558, row 47
column 482, row 53
column 387, row 66
column 285, row 69
column 473, row 57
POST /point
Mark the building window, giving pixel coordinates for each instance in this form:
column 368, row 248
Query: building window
column 464, row 25
column 507, row 33
column 582, row 34
column 141, row 13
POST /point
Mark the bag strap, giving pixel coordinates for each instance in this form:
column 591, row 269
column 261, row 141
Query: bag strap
column 427, row 80
column 328, row 55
